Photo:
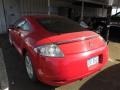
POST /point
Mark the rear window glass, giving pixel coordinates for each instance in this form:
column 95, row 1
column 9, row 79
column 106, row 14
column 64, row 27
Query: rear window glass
column 59, row 25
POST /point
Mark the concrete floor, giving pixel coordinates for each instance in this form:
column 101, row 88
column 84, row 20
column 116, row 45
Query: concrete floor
column 3, row 74
column 108, row 78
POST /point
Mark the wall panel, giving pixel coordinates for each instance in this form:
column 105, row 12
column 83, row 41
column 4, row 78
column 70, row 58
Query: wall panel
column 2, row 18
column 33, row 7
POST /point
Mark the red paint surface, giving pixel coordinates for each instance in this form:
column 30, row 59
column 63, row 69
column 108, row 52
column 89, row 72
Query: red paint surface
column 75, row 46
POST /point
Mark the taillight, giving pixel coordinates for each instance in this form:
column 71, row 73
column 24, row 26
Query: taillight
column 50, row 50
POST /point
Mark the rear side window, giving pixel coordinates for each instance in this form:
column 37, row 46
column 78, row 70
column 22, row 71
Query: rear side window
column 59, row 25
column 20, row 24
column 24, row 25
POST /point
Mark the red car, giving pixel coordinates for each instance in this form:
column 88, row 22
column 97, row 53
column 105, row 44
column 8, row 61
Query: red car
column 57, row 50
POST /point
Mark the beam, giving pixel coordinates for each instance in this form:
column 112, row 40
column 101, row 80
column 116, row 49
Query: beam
column 95, row 2
column 110, row 2
column 49, row 7
column 82, row 10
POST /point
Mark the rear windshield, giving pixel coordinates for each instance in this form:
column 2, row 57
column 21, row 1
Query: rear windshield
column 59, row 25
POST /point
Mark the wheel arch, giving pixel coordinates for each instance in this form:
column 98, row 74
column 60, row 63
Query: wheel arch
column 24, row 51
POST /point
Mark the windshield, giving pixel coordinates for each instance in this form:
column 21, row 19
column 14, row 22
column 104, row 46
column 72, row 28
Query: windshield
column 59, row 25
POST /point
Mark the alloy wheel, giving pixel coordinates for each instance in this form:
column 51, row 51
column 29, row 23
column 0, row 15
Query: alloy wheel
column 29, row 67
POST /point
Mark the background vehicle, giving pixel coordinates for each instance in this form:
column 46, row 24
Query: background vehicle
column 101, row 23
column 57, row 50
column 96, row 24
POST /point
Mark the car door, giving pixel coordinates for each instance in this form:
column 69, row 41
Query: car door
column 115, row 20
column 22, row 30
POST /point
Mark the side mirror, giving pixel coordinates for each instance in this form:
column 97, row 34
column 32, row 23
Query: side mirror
column 11, row 27
column 18, row 27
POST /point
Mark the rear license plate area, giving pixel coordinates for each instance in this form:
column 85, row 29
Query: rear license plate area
column 93, row 61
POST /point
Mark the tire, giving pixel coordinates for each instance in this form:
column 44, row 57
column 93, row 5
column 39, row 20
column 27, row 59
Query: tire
column 29, row 68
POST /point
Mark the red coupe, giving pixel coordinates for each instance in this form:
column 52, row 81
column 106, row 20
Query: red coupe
column 57, row 50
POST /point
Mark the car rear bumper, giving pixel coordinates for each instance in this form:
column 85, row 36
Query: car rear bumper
column 60, row 71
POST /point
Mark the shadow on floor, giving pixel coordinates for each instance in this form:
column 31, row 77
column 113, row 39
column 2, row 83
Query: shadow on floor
column 108, row 79
column 117, row 60
column 17, row 76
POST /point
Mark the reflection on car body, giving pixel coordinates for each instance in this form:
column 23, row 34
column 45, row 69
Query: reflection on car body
column 57, row 50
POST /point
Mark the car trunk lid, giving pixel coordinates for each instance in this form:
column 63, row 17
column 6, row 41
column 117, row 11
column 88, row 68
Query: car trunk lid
column 77, row 42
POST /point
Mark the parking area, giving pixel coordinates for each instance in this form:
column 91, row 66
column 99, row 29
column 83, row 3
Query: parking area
column 108, row 78
column 3, row 74
column 26, row 18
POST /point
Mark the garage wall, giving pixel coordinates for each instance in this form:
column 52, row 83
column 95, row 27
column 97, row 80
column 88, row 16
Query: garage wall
column 33, row 7
column 58, row 6
column 95, row 12
column 2, row 18
column 64, row 6
column 11, row 11
column 90, row 11
column 101, row 12
column 15, row 8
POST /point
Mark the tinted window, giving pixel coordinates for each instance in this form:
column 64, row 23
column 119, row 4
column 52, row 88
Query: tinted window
column 117, row 15
column 59, row 25
column 20, row 24
column 24, row 25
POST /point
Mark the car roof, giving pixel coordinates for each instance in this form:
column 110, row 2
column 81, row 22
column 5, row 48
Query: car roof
column 32, row 19
column 41, row 16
